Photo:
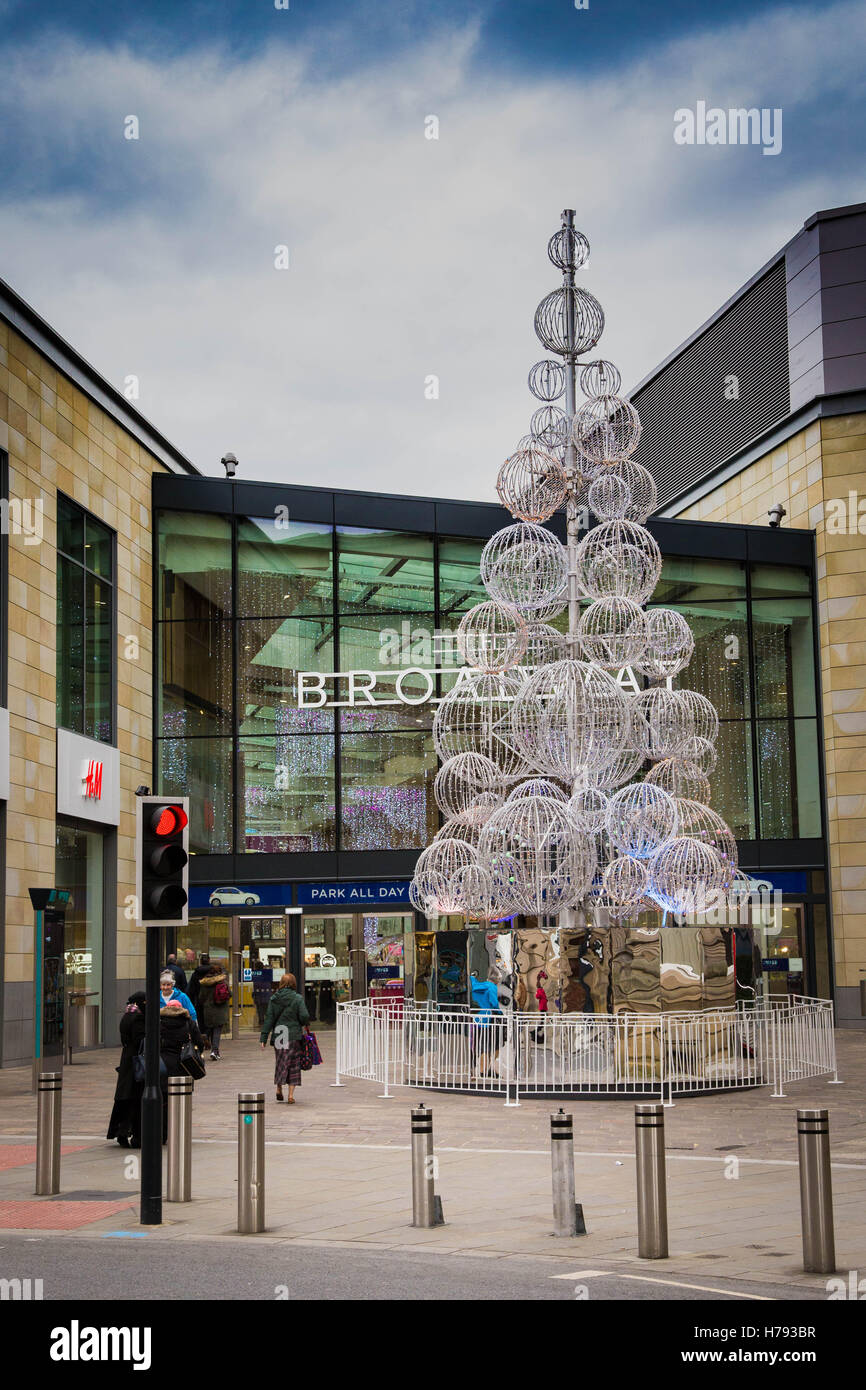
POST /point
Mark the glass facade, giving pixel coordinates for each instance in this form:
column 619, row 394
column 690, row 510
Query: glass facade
column 288, row 714
column 79, row 859
column 85, row 623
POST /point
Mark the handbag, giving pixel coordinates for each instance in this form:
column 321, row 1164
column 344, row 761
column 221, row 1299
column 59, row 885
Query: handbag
column 314, row 1049
column 310, row 1054
column 191, row 1062
column 138, row 1066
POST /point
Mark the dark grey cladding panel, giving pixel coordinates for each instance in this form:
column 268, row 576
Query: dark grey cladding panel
column 806, row 353
column 803, row 285
column 470, row 519
column 843, row 267
column 802, row 250
column 845, row 337
column 845, row 373
column 839, row 233
column 804, row 321
column 779, row 546
column 690, row 538
column 807, row 386
column 304, row 504
column 387, row 513
column 843, row 302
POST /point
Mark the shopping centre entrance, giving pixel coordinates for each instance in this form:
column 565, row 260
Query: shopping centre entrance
column 334, row 956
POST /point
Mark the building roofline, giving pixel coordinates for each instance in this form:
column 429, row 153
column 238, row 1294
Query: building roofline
column 827, row 215
column 24, row 319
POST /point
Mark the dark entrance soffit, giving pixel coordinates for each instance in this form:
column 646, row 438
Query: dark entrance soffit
column 428, row 515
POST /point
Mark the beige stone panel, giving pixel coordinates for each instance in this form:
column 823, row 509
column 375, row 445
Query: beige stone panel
column 838, row 425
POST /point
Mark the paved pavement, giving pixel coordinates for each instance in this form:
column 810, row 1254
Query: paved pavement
column 338, row 1174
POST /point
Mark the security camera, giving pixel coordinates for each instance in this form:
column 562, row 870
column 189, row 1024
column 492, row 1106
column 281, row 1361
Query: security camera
column 142, row 790
column 775, row 514
column 230, row 464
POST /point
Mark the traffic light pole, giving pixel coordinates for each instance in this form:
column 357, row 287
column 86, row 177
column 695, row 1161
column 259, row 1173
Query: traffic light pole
column 151, row 1100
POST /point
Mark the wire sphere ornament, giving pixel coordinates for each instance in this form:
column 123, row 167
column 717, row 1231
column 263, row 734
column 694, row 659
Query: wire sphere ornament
column 619, row 770
column 525, row 565
column 543, row 645
column 640, row 819
column 549, row 425
column 532, row 483
column 435, row 873
column 474, row 887
column 537, row 786
column 554, row 865
column 700, row 753
column 699, row 822
column 469, row 717
column 491, row 636
column 563, row 307
column 680, row 778
column 568, row 249
column 462, row 779
column 547, row 380
column 588, row 809
column 625, row 883
column 642, row 485
column 569, row 718
column 600, row 378
column 669, row 644
column 618, row 559
column 704, row 718
column 686, row 875
column 612, row 632
column 663, row 723
column 467, row 827
column 606, row 428
column 609, row 496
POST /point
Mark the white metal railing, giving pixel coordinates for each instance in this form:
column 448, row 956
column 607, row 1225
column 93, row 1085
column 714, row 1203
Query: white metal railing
column 767, row 1043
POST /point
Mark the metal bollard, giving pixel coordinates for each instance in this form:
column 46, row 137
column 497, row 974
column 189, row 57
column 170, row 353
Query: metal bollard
column 816, row 1192
column 251, row 1162
column 426, row 1206
column 179, row 1182
column 49, row 1091
column 652, row 1205
column 567, row 1214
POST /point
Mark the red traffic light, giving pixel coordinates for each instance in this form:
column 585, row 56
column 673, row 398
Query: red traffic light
column 168, row 820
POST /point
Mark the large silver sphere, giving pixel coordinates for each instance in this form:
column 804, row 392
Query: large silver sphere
column 491, row 636
column 549, row 425
column 473, row 717
column 554, row 864
column 434, row 876
column 543, row 645
column 547, row 380
column 618, row 559
column 461, row 780
column 600, row 378
column 531, row 483
column 640, row 819
column 569, row 719
column 606, row 428
column 568, row 249
column 686, row 875
column 612, row 632
column 552, row 320
column 663, row 722
column 669, row 644
column 525, row 565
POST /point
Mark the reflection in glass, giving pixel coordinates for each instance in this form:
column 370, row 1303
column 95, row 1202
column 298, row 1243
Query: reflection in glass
column 387, row 790
column 732, row 781
column 387, row 571
column 195, row 678
column 97, row 547
column 685, row 579
column 789, row 786
column 784, row 657
column 780, row 581
column 271, row 652
column 284, row 567
column 719, row 667
column 460, row 586
column 98, row 648
column 195, row 563
column 200, row 768
column 70, row 645
column 78, row 867
column 286, row 794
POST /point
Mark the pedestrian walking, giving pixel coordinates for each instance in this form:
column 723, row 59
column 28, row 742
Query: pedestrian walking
column 214, row 999
column 201, row 969
column 285, row 1023
column 177, row 971
column 168, row 990
column 125, row 1122
column 263, row 988
column 177, row 1027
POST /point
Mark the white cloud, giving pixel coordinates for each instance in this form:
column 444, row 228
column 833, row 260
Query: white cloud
column 408, row 256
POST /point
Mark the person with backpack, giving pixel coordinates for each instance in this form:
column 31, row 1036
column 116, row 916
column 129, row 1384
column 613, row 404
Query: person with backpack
column 214, row 998
column 284, row 1027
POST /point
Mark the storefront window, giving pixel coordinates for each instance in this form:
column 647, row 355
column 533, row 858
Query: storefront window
column 686, row 579
column 287, row 794
column 195, row 678
column 79, row 869
column 387, row 645
column 384, row 571
column 789, row 782
column 387, row 790
column 195, row 563
column 784, row 657
column 460, row 586
column 200, row 768
column 85, row 623
column 780, row 581
column 271, row 652
column 732, row 780
column 284, row 568
column 327, row 950
column 719, row 667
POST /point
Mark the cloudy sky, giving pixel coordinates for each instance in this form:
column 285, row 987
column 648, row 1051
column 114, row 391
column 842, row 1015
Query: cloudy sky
column 408, row 257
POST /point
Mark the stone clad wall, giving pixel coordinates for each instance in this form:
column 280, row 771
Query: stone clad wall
column 814, row 475
column 59, row 440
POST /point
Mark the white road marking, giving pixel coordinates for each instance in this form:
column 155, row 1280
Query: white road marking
column 674, row 1283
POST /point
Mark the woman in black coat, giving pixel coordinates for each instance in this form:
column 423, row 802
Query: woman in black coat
column 125, row 1122
column 176, row 1028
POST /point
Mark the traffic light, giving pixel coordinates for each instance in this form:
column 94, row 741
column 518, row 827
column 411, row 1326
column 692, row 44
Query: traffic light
column 162, row 861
